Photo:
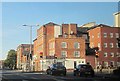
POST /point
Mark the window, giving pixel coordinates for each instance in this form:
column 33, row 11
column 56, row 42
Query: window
column 112, row 63
column 76, row 53
column 118, row 63
column 92, row 45
column 26, row 49
column 99, row 45
column 105, row 35
column 85, row 36
column 64, row 45
column 117, row 45
column 51, row 53
column 76, row 45
column 51, row 45
column 105, row 45
column 98, row 35
column 112, row 54
column 117, row 54
column 105, row 64
column 105, row 54
column 111, row 45
column 65, row 35
column 117, row 35
column 111, row 35
column 63, row 53
column 92, row 36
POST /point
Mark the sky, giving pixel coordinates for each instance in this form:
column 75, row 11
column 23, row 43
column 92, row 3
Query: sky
column 15, row 14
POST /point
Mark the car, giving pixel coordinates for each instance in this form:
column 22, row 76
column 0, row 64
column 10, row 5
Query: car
column 56, row 69
column 84, row 70
column 116, row 71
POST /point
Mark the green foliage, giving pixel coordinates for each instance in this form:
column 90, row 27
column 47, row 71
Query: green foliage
column 11, row 59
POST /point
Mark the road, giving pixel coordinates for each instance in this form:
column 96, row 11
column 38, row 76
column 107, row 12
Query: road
column 12, row 75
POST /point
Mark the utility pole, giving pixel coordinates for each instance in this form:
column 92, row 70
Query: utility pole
column 30, row 54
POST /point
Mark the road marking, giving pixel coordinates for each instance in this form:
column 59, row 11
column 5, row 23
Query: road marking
column 57, row 79
column 24, row 80
column 33, row 73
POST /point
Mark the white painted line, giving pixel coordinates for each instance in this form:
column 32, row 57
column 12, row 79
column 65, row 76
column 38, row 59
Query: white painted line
column 24, row 80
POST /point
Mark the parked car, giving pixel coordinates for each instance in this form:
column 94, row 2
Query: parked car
column 117, row 71
column 56, row 69
column 84, row 70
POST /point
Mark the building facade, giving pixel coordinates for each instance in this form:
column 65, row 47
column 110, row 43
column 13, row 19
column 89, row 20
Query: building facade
column 105, row 38
column 58, row 43
column 117, row 19
column 23, row 52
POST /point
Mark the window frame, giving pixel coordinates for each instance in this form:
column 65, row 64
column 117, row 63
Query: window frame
column 78, row 45
column 64, row 54
column 76, row 53
column 105, row 54
column 105, row 35
column 105, row 45
column 63, row 44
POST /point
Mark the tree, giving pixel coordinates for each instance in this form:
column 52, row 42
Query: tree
column 11, row 59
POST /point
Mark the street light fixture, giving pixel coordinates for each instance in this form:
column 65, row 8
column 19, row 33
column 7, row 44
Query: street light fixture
column 30, row 54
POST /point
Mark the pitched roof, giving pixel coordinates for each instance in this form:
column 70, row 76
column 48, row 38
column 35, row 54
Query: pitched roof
column 100, row 25
column 51, row 24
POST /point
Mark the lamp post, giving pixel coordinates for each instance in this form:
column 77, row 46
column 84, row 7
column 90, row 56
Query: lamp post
column 30, row 54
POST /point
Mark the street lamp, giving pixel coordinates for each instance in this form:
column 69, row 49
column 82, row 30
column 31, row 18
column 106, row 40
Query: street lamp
column 30, row 54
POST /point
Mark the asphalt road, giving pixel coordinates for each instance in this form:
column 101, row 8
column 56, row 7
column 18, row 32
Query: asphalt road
column 12, row 75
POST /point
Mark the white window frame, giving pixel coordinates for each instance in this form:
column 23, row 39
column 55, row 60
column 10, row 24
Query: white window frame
column 106, row 64
column 111, row 35
column 98, row 35
column 105, row 45
column 78, row 45
column 111, row 45
column 51, row 52
column 64, row 54
column 105, row 35
column 105, row 54
column 117, row 54
column 112, row 54
column 64, row 45
column 92, row 45
column 99, row 45
column 118, row 63
column 117, row 35
column 117, row 45
column 76, row 53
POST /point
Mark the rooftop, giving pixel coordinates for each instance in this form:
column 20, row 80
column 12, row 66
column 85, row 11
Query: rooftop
column 51, row 24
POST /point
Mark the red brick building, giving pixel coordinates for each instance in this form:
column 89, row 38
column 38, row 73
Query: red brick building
column 105, row 37
column 23, row 51
column 60, row 41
